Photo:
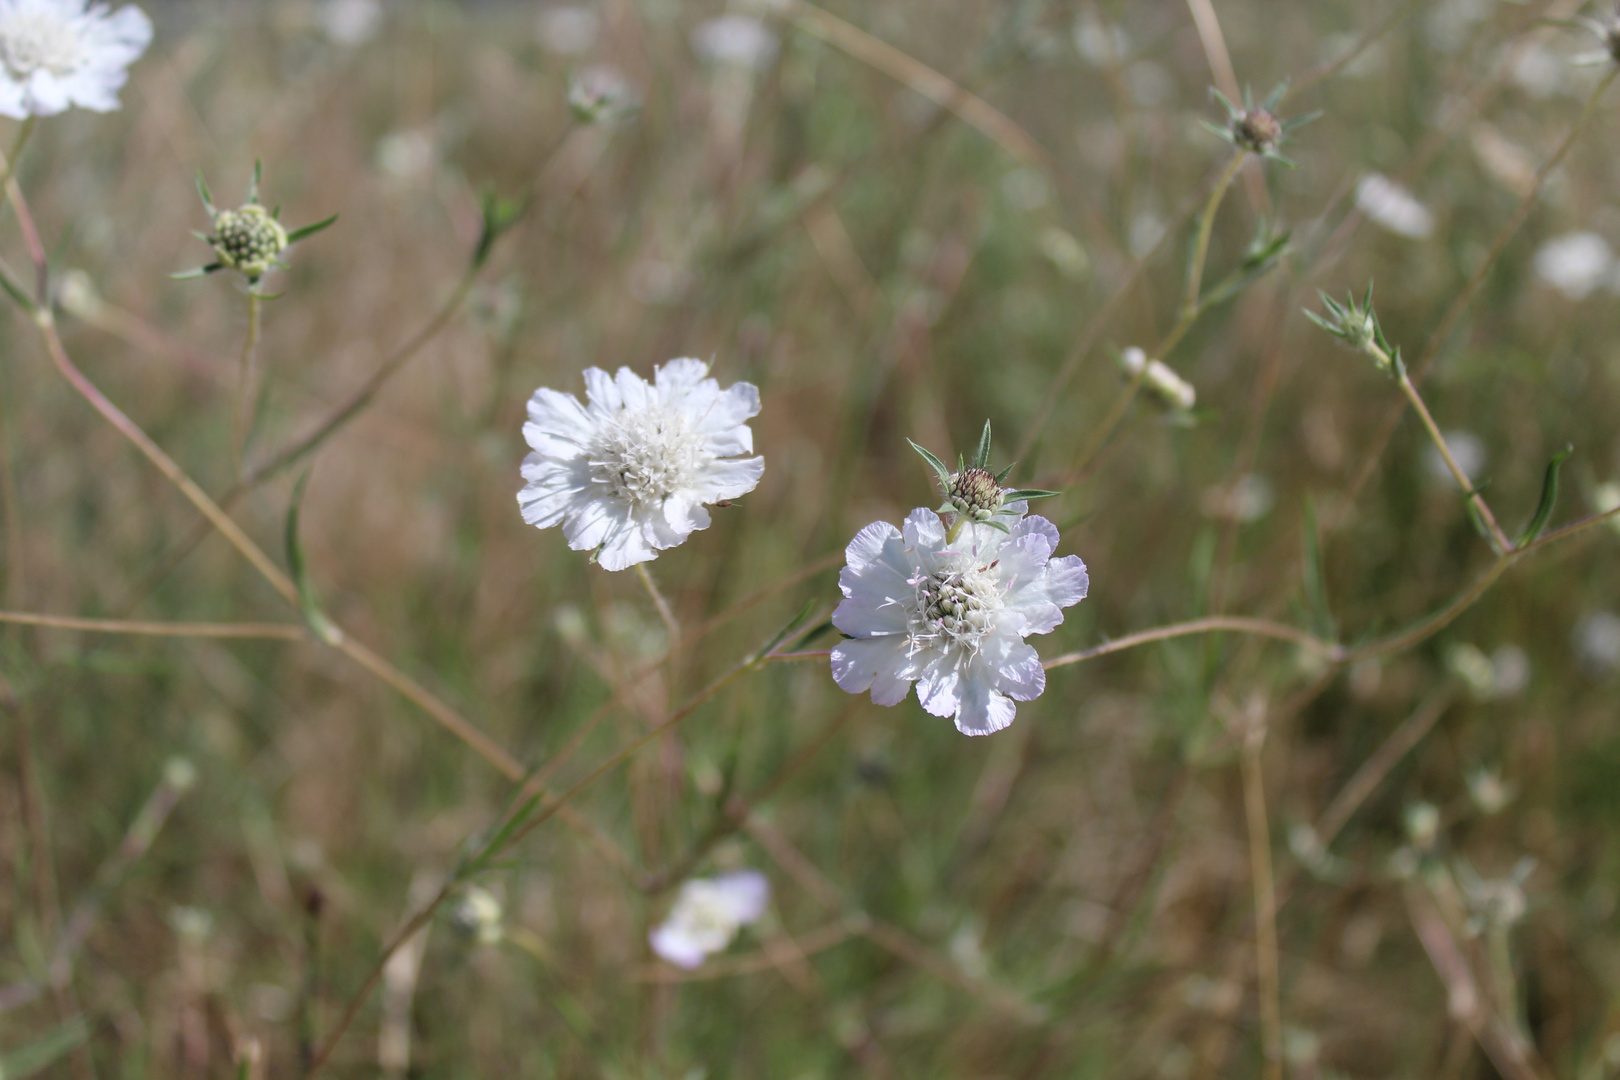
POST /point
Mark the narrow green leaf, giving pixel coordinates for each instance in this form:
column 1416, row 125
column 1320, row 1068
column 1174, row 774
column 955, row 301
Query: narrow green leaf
column 999, row 526
column 981, row 456
column 207, row 196
column 1030, row 493
column 43, row 1052
column 196, row 272
column 1478, row 521
column 1315, row 579
column 788, row 627
column 1216, row 129
column 1004, row 473
column 19, row 294
column 937, row 465
column 308, row 603
column 309, row 230
column 1549, row 496
column 253, row 186
column 499, row 215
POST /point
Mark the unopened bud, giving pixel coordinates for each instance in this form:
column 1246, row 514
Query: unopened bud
column 248, row 239
column 1160, row 379
column 1257, row 131
column 478, row 915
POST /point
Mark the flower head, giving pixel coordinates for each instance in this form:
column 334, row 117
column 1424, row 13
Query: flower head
column 1392, row 207
column 952, row 619
column 55, row 54
column 1356, row 324
column 707, row 914
column 973, row 493
column 628, row 472
column 1257, row 130
column 1608, row 35
column 248, row 239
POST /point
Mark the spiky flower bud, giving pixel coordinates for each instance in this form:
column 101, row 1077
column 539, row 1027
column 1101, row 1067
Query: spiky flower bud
column 1258, row 131
column 974, row 492
column 248, row 239
column 1356, row 324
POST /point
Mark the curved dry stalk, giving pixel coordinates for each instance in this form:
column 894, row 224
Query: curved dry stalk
column 269, row 631
column 1215, row 624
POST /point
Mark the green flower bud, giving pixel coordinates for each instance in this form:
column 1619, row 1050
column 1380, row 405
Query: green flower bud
column 248, row 240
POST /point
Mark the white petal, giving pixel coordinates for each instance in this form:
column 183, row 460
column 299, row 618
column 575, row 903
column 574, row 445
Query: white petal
column 46, row 94
column 601, row 391
column 1067, row 581
column 13, row 101
column 867, row 547
column 679, row 377
column 876, row 664
column 592, row 522
column 725, row 420
column 672, row 945
column 684, row 515
column 924, row 530
column 729, row 479
column 743, row 894
column 1015, row 668
column 939, row 686
column 983, row 710
column 626, row 546
column 560, row 416
column 633, row 389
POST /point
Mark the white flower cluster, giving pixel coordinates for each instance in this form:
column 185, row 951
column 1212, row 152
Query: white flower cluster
column 707, row 914
column 55, row 54
column 952, row 617
column 628, row 473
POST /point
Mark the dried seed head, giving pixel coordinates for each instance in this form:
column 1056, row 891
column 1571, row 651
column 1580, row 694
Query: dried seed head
column 1257, row 131
column 248, row 239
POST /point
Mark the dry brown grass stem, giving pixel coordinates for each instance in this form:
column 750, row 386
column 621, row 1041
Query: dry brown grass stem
column 1265, row 895
column 275, row 631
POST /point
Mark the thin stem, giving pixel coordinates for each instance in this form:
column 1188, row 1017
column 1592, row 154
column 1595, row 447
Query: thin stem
column 245, row 379
column 1373, row 771
column 1214, row 624
column 1265, row 901
column 271, row 631
column 1195, row 270
column 1498, row 537
column 664, row 611
column 8, row 167
column 1405, row 639
column 1105, row 430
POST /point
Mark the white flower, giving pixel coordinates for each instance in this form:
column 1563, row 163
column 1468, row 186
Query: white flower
column 568, row 30
column 1393, row 207
column 735, row 39
column 1597, row 642
column 58, row 53
column 627, row 473
column 1162, row 379
column 1575, row 263
column 350, row 22
column 1467, row 450
column 952, row 618
column 707, row 915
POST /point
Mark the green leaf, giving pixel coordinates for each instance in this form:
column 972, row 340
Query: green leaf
column 253, row 186
column 981, row 456
column 1478, row 520
column 196, row 272
column 42, row 1052
column 1549, row 496
column 26, row 302
column 309, row 230
column 1026, row 494
column 308, row 603
column 937, row 465
column 1315, row 579
column 499, row 215
column 1004, row 473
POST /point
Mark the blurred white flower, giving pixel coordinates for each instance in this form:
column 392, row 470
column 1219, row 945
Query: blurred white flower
column 1249, row 499
column 1575, row 263
column 58, row 53
column 1510, row 670
column 952, row 618
column 1489, row 791
column 405, row 154
column 1161, row 379
column 1099, row 43
column 567, row 29
column 707, row 914
column 1606, row 497
column 350, row 22
column 1467, row 449
column 1065, row 252
column 478, row 915
column 1473, row 667
column 1597, row 642
column 1393, row 207
column 600, row 93
column 627, row 473
column 735, row 39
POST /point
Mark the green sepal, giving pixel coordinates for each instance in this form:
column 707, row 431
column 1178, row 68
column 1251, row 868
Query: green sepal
column 196, row 272
column 999, row 526
column 1217, row 130
column 1232, row 111
column 308, row 603
column 933, row 462
column 309, row 230
column 981, row 456
column 207, row 196
column 1549, row 497
column 253, row 185
column 18, row 294
column 44, row 1051
column 1004, row 473
column 1025, row 494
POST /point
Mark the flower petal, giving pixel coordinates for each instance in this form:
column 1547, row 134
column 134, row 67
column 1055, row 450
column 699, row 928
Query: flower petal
column 876, row 664
column 984, row 710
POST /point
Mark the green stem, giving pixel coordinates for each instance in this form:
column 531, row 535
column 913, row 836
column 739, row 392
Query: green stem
column 1499, row 539
column 245, row 380
column 8, row 167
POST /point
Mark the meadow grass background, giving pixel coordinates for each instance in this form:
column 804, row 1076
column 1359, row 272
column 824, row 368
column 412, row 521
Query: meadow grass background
column 1069, row 898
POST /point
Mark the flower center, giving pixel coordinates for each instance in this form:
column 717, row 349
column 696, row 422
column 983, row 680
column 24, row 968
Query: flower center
column 646, row 456
column 33, row 41
column 248, row 238
column 955, row 608
column 975, row 492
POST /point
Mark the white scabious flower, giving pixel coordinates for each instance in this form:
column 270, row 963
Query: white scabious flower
column 952, row 618
column 1575, row 264
column 735, row 39
column 1393, row 207
column 55, row 54
column 707, row 914
column 627, row 473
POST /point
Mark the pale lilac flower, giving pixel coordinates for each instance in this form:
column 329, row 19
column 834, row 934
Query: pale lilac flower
column 952, row 617
column 1393, row 207
column 55, row 54
column 707, row 914
column 628, row 472
column 351, row 22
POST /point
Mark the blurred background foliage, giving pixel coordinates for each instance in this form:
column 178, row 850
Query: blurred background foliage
column 1072, row 897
